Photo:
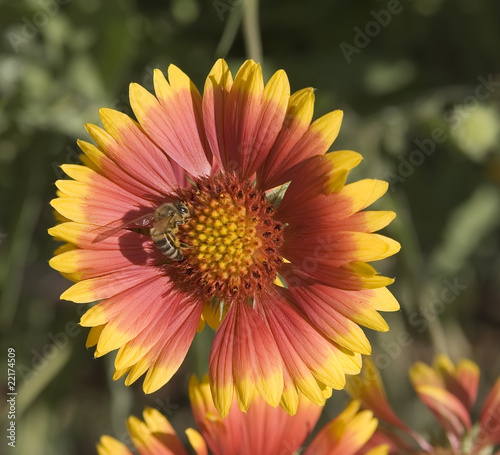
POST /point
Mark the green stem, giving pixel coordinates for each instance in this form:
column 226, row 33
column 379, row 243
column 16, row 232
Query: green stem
column 230, row 31
column 251, row 30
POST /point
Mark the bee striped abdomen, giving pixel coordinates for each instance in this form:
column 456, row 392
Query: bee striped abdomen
column 167, row 244
column 167, row 219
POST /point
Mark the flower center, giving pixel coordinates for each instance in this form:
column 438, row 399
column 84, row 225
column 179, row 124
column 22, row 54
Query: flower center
column 232, row 239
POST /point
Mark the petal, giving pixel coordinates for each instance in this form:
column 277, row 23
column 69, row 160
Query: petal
column 308, row 357
column 489, row 420
column 140, row 172
column 110, row 446
column 423, row 375
column 364, row 193
column 213, row 315
column 215, row 95
column 369, row 389
column 262, row 429
column 94, row 334
column 355, row 276
column 298, row 426
column 312, row 186
column 315, row 141
column 379, row 450
column 241, row 116
column 144, row 348
column 366, row 221
column 243, row 119
column 108, row 285
column 467, row 374
column 189, row 99
column 431, row 385
column 346, row 434
column 336, row 248
column 131, row 180
column 173, row 120
column 446, row 408
column 83, row 264
column 197, row 442
column 137, row 152
column 270, row 119
column 256, row 364
column 306, row 203
column 93, row 199
column 127, row 311
column 221, row 435
column 328, row 320
column 162, row 345
column 462, row 381
column 163, row 431
column 290, row 398
column 298, row 117
column 176, row 341
column 155, row 436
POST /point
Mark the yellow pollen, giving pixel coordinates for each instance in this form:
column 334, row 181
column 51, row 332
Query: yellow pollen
column 226, row 237
column 232, row 242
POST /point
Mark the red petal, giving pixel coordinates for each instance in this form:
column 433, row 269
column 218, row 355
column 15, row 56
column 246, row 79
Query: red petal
column 490, row 417
column 308, row 357
column 245, row 354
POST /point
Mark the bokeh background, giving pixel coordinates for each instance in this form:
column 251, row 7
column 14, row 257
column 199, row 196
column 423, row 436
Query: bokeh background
column 418, row 81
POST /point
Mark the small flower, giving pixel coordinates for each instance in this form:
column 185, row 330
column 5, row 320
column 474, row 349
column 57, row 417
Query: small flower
column 449, row 391
column 224, row 209
column 262, row 430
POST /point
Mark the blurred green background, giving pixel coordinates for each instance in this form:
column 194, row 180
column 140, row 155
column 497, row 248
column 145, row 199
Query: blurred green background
column 418, row 81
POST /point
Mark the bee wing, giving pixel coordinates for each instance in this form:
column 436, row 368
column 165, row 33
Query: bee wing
column 110, row 229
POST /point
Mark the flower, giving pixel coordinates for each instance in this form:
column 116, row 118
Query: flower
column 449, row 391
column 262, row 430
column 224, row 209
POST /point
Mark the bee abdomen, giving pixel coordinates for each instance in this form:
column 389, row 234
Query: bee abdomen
column 167, row 245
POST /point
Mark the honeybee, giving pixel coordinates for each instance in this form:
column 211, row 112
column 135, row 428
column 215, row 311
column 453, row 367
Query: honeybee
column 163, row 224
column 167, row 219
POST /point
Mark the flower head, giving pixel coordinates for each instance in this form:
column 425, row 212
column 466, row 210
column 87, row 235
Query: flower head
column 262, row 430
column 449, row 391
column 224, row 209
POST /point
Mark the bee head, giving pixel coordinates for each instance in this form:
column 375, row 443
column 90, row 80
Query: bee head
column 183, row 208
